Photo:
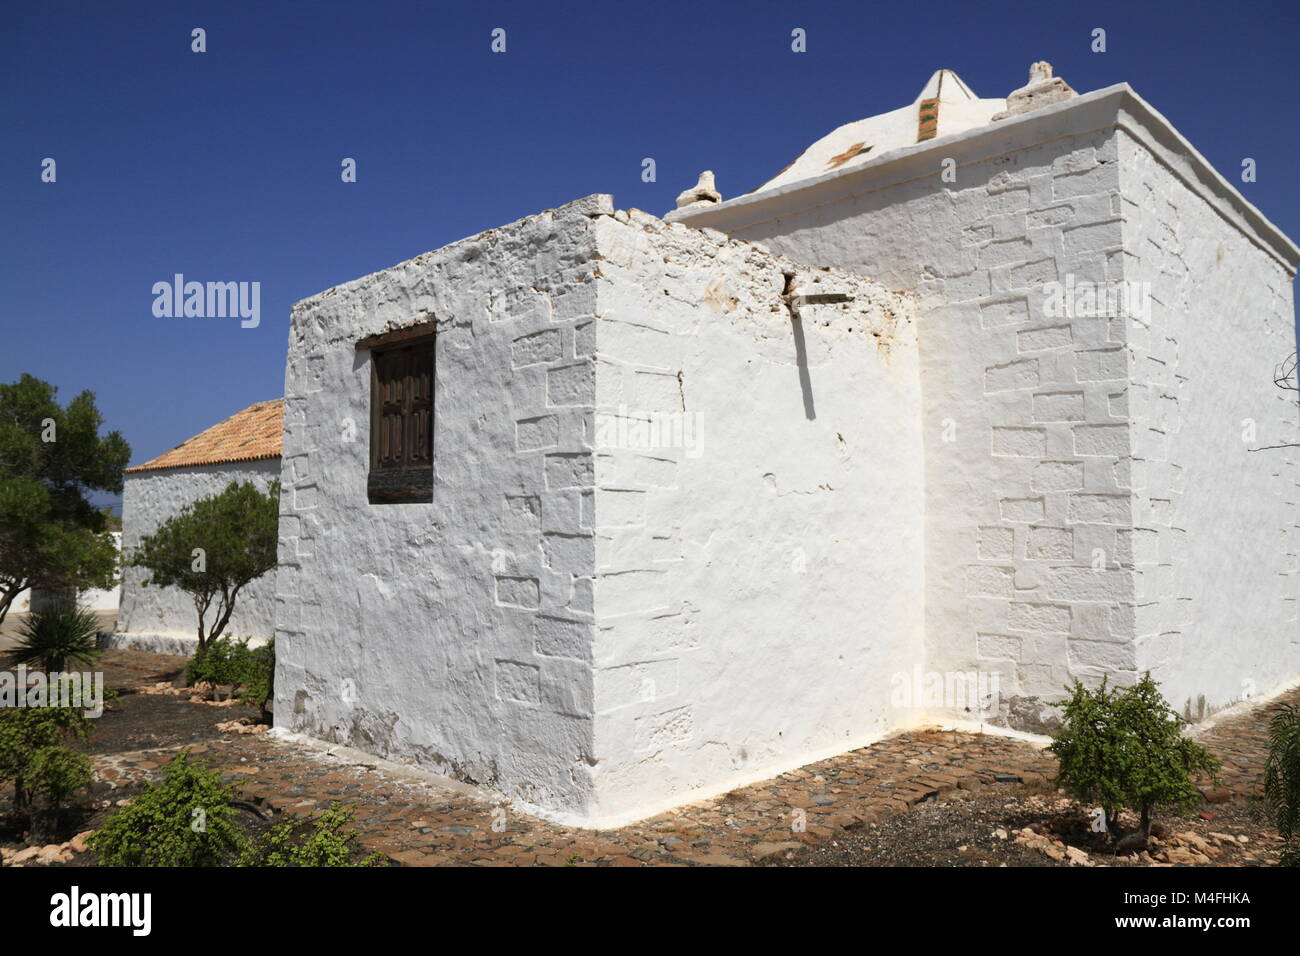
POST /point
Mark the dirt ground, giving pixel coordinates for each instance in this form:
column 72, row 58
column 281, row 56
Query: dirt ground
column 982, row 830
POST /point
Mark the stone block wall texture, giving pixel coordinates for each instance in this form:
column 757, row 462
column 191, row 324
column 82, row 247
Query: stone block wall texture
column 456, row 635
column 163, row 619
column 642, row 573
column 1022, row 441
column 1064, row 538
column 688, row 532
column 1215, row 500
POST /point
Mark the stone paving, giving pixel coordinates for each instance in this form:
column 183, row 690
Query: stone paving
column 421, row 824
column 1241, row 743
column 417, row 823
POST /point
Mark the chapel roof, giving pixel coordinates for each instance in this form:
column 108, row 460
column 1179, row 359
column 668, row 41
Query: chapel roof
column 252, row 434
column 945, row 105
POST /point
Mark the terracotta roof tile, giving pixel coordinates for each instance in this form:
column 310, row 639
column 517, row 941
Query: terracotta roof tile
column 245, row 436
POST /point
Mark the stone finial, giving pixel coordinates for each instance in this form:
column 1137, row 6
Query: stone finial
column 1043, row 89
column 703, row 193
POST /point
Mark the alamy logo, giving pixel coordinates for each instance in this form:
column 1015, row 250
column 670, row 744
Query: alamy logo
column 36, row 689
column 650, row 431
column 74, row 909
column 1079, row 298
column 208, row 300
column 974, row 691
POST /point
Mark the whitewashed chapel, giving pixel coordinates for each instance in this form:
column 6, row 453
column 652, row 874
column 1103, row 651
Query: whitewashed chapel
column 606, row 513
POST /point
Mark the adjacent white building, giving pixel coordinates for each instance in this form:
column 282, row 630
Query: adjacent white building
column 244, row 447
column 608, row 513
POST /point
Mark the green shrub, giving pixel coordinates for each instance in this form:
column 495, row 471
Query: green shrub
column 53, row 775
column 330, row 842
column 51, row 640
column 227, row 661
column 184, row 820
column 1125, row 749
column 34, row 759
column 222, row 661
column 257, row 681
column 25, row 732
column 1282, row 781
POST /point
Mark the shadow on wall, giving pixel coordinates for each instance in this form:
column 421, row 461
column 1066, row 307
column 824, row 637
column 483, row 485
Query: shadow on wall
column 801, row 359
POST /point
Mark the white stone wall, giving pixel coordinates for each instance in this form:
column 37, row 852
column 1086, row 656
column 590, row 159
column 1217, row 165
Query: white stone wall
column 1064, row 538
column 457, row 634
column 1215, row 537
column 164, row 619
column 583, row 622
column 1022, row 440
column 101, row 599
column 758, row 514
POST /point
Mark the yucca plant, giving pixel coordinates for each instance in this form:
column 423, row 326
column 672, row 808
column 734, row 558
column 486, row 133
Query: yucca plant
column 54, row 639
column 1282, row 780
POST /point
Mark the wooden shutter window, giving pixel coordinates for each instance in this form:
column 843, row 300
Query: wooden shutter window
column 401, row 423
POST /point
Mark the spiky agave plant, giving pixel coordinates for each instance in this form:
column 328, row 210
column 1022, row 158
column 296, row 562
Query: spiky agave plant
column 54, row 639
column 1282, row 780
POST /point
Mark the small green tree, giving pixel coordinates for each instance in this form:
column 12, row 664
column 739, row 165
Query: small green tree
column 1126, row 749
column 213, row 548
column 1282, row 780
column 51, row 535
column 184, row 820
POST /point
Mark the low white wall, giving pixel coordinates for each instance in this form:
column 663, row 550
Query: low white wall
column 95, row 599
column 99, row 599
column 164, row 619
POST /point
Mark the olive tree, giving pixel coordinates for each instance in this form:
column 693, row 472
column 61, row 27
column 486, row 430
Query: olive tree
column 212, row 549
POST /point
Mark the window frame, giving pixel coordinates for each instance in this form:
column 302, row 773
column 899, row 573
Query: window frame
column 411, row 480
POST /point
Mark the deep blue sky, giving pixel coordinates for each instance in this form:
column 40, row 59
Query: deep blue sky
column 225, row 165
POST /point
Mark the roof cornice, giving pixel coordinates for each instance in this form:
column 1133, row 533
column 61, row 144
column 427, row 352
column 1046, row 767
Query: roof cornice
column 1115, row 106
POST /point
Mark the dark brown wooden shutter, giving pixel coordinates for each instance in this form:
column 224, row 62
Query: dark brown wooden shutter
column 401, row 422
column 419, row 409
